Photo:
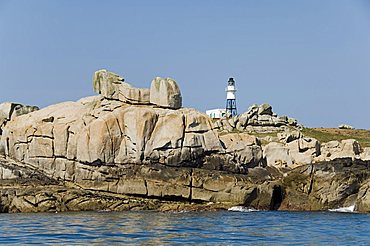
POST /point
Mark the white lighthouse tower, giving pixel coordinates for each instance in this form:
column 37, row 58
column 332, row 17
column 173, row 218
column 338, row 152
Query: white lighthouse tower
column 231, row 98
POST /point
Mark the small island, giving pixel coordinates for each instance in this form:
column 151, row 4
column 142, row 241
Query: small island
column 133, row 148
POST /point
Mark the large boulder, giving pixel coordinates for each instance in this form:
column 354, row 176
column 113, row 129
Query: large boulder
column 244, row 148
column 289, row 135
column 349, row 148
column 259, row 119
column 277, row 155
column 346, row 127
column 107, row 83
column 295, row 153
column 165, row 92
column 113, row 86
column 265, row 109
column 304, row 150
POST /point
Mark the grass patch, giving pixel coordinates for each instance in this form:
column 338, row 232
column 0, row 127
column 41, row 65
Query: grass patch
column 329, row 134
column 262, row 135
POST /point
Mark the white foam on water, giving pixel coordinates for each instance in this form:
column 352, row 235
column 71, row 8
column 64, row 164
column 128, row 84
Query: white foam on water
column 242, row 209
column 350, row 209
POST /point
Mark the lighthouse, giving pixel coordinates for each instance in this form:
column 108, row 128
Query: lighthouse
column 231, row 98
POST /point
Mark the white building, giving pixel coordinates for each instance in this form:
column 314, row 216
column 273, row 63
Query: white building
column 217, row 113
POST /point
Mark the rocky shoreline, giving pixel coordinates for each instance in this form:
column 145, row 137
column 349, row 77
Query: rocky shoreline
column 131, row 149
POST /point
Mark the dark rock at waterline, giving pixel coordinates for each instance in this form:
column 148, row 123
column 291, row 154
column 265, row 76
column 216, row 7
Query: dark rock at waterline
column 312, row 187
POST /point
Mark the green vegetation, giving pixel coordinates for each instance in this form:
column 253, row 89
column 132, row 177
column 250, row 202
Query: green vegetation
column 330, row 134
column 233, row 131
column 262, row 135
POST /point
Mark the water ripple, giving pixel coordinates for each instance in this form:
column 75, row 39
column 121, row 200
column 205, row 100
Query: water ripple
column 206, row 228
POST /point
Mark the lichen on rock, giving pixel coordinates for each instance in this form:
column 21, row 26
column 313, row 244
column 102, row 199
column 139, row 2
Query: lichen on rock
column 165, row 93
column 113, row 86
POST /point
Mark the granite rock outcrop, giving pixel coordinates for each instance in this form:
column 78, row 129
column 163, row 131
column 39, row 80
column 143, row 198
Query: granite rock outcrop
column 293, row 150
column 95, row 130
column 120, row 143
column 258, row 118
column 9, row 110
column 131, row 148
column 113, row 86
column 163, row 92
column 297, row 152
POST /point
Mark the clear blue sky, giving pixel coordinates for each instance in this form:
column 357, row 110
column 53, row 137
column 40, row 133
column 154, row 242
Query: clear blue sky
column 309, row 59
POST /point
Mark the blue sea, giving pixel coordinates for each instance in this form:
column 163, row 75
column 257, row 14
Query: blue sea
column 203, row 228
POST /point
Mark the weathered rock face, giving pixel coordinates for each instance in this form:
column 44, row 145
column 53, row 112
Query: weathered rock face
column 295, row 153
column 289, row 136
column 10, row 110
column 365, row 155
column 165, row 93
column 265, row 109
column 348, row 148
column 322, row 186
column 276, row 154
column 96, row 130
column 24, row 189
column 106, row 83
column 244, row 151
column 112, row 86
column 258, row 118
column 363, row 196
column 111, row 146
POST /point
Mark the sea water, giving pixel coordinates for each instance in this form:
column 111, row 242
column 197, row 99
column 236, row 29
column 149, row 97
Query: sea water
column 236, row 227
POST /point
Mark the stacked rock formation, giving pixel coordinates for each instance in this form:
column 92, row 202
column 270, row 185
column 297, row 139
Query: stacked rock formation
column 291, row 149
column 121, row 131
column 163, row 92
column 258, row 118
